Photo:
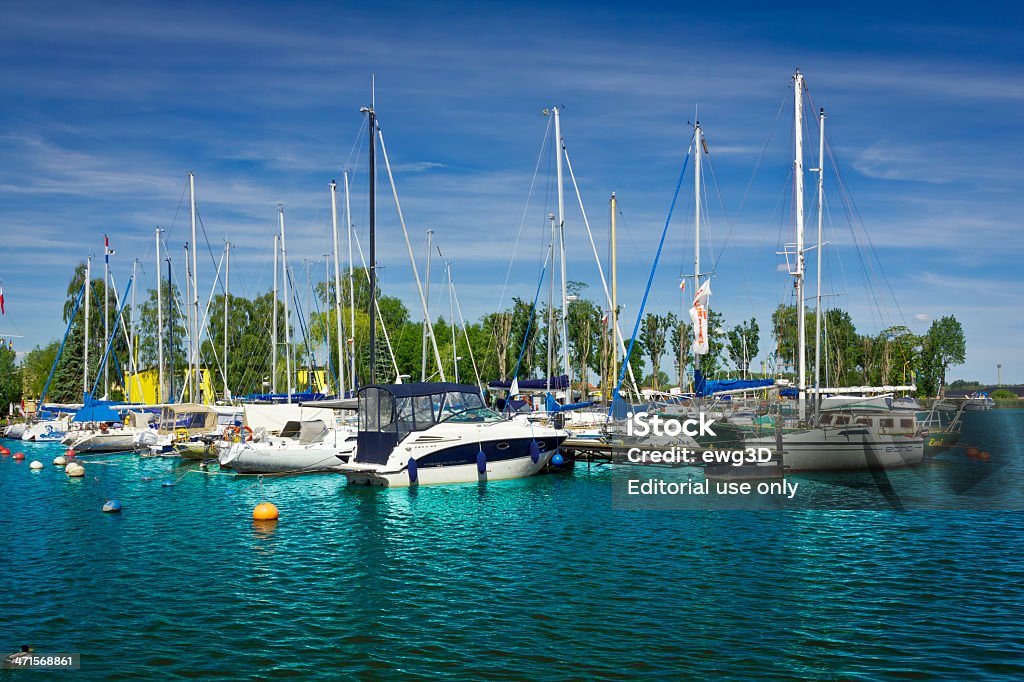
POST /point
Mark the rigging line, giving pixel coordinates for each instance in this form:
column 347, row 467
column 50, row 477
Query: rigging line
column 729, row 238
column 181, row 200
column 526, row 208
column 771, row 133
column 380, row 315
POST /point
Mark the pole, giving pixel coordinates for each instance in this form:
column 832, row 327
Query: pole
column 551, row 303
column 817, row 303
column 561, row 248
column 273, row 330
column 351, row 290
column 423, row 352
column 189, row 385
column 159, row 325
column 227, row 289
column 373, row 242
column 106, row 313
column 132, row 335
column 337, row 290
column 451, row 305
column 85, row 318
column 287, row 331
column 798, row 204
column 615, row 297
column 697, row 132
column 170, row 330
column 194, row 355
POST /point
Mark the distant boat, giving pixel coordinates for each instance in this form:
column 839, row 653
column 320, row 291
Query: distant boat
column 429, row 433
column 979, row 400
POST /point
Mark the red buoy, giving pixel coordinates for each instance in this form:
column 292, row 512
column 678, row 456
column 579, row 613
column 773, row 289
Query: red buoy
column 69, row 453
column 18, row 456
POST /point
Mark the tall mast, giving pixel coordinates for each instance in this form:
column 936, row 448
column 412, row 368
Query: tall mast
column 351, row 289
column 85, row 318
column 194, row 354
column 189, row 385
column 273, row 328
column 159, row 325
column 798, row 204
column 697, row 138
column 817, row 302
column 451, row 305
column 373, row 241
column 227, row 289
column 561, row 246
column 170, row 330
column 132, row 335
column 551, row 302
column 615, row 299
column 287, row 331
column 337, row 290
column 106, row 314
column 423, row 355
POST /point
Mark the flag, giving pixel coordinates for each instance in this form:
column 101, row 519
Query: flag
column 682, row 285
column 604, row 319
column 1, row 299
column 514, row 389
column 699, row 318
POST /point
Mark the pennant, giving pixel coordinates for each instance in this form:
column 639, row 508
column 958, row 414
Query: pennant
column 699, row 318
column 604, row 319
column 682, row 285
column 514, row 389
column 1, row 299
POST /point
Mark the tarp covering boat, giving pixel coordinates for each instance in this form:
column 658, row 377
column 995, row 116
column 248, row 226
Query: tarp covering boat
column 305, row 431
column 706, row 387
column 273, row 418
column 557, row 383
column 551, row 405
column 96, row 412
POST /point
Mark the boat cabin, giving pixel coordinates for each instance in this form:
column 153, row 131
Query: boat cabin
column 889, row 423
column 389, row 413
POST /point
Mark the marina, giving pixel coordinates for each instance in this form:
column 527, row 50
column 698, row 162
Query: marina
column 531, row 342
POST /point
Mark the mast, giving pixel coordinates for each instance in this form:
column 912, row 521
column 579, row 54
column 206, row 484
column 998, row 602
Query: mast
column 551, row 302
column 287, row 319
column 798, row 204
column 697, row 137
column 561, row 247
column 194, row 355
column 817, row 302
column 273, row 330
column 351, row 289
column 170, row 329
column 423, row 370
column 373, row 241
column 615, row 299
column 132, row 335
column 106, row 313
column 189, row 386
column 337, row 289
column 227, row 289
column 451, row 305
column 159, row 325
column 85, row 318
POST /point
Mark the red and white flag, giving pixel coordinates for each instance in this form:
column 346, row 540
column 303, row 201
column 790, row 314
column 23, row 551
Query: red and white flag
column 1, row 299
column 682, row 285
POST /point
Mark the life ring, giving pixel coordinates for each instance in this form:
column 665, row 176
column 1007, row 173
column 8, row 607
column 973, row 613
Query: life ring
column 181, row 434
column 234, row 433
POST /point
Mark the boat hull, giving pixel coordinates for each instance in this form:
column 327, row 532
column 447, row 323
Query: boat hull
column 845, row 450
column 252, row 460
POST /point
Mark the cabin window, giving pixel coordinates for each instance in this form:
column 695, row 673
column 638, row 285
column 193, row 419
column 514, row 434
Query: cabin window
column 388, row 420
column 423, row 412
column 863, row 421
column 907, row 423
column 840, row 421
column 886, row 423
column 826, row 419
column 369, row 419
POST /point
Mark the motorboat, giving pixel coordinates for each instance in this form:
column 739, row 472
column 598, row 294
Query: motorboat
column 431, row 433
column 302, row 447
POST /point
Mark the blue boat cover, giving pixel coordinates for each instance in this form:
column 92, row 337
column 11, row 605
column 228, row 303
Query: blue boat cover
column 552, row 405
column 97, row 412
column 557, row 383
column 705, row 387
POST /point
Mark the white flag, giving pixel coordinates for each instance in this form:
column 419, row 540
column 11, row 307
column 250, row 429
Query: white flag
column 514, row 389
column 699, row 318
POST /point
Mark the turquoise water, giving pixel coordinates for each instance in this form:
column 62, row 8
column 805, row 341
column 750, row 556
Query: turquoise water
column 534, row 579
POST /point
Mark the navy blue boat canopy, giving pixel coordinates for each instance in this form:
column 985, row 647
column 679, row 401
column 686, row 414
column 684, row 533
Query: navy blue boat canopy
column 705, row 387
column 558, row 382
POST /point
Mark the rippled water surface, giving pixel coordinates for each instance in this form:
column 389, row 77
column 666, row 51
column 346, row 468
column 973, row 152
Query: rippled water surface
column 533, row 579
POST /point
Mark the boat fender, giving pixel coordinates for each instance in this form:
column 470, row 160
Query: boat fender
column 481, row 463
column 534, row 451
column 59, row 461
column 413, row 474
column 558, row 460
column 112, row 507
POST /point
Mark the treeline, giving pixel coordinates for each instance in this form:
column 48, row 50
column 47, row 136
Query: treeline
column 500, row 345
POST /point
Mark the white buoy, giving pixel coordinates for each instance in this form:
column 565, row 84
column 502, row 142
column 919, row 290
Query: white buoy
column 75, row 471
column 59, row 461
column 36, row 465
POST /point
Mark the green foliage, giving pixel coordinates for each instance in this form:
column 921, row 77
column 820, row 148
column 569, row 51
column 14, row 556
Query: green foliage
column 35, row 368
column 653, row 333
column 10, row 378
column 743, row 340
column 1004, row 396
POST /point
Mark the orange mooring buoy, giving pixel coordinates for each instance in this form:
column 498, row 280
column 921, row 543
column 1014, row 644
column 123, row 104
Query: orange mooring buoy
column 265, row 511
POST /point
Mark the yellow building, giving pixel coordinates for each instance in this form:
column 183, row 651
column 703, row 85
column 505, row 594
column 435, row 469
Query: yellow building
column 142, row 388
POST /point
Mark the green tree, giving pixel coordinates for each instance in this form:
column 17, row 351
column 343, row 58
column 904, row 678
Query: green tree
column 653, row 333
column 945, row 345
column 35, row 368
column 743, row 340
column 10, row 378
column 680, row 340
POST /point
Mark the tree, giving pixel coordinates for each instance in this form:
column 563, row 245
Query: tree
column 841, row 351
column 743, row 341
column 10, row 378
column 945, row 345
column 784, row 329
column 653, row 332
column 636, row 360
column 680, row 340
column 710, row 363
column 35, row 368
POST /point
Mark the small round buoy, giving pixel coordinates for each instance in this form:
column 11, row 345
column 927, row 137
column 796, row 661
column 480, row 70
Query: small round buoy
column 264, row 511
column 69, row 453
column 168, row 484
column 76, row 471
column 112, row 506
column 18, row 456
column 59, row 461
column 558, row 460
column 36, row 465
column 4, row 451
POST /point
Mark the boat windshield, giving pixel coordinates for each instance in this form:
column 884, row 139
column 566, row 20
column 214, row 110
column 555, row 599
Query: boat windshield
column 474, row 415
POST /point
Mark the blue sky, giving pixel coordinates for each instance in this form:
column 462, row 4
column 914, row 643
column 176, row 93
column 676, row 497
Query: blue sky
column 105, row 108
